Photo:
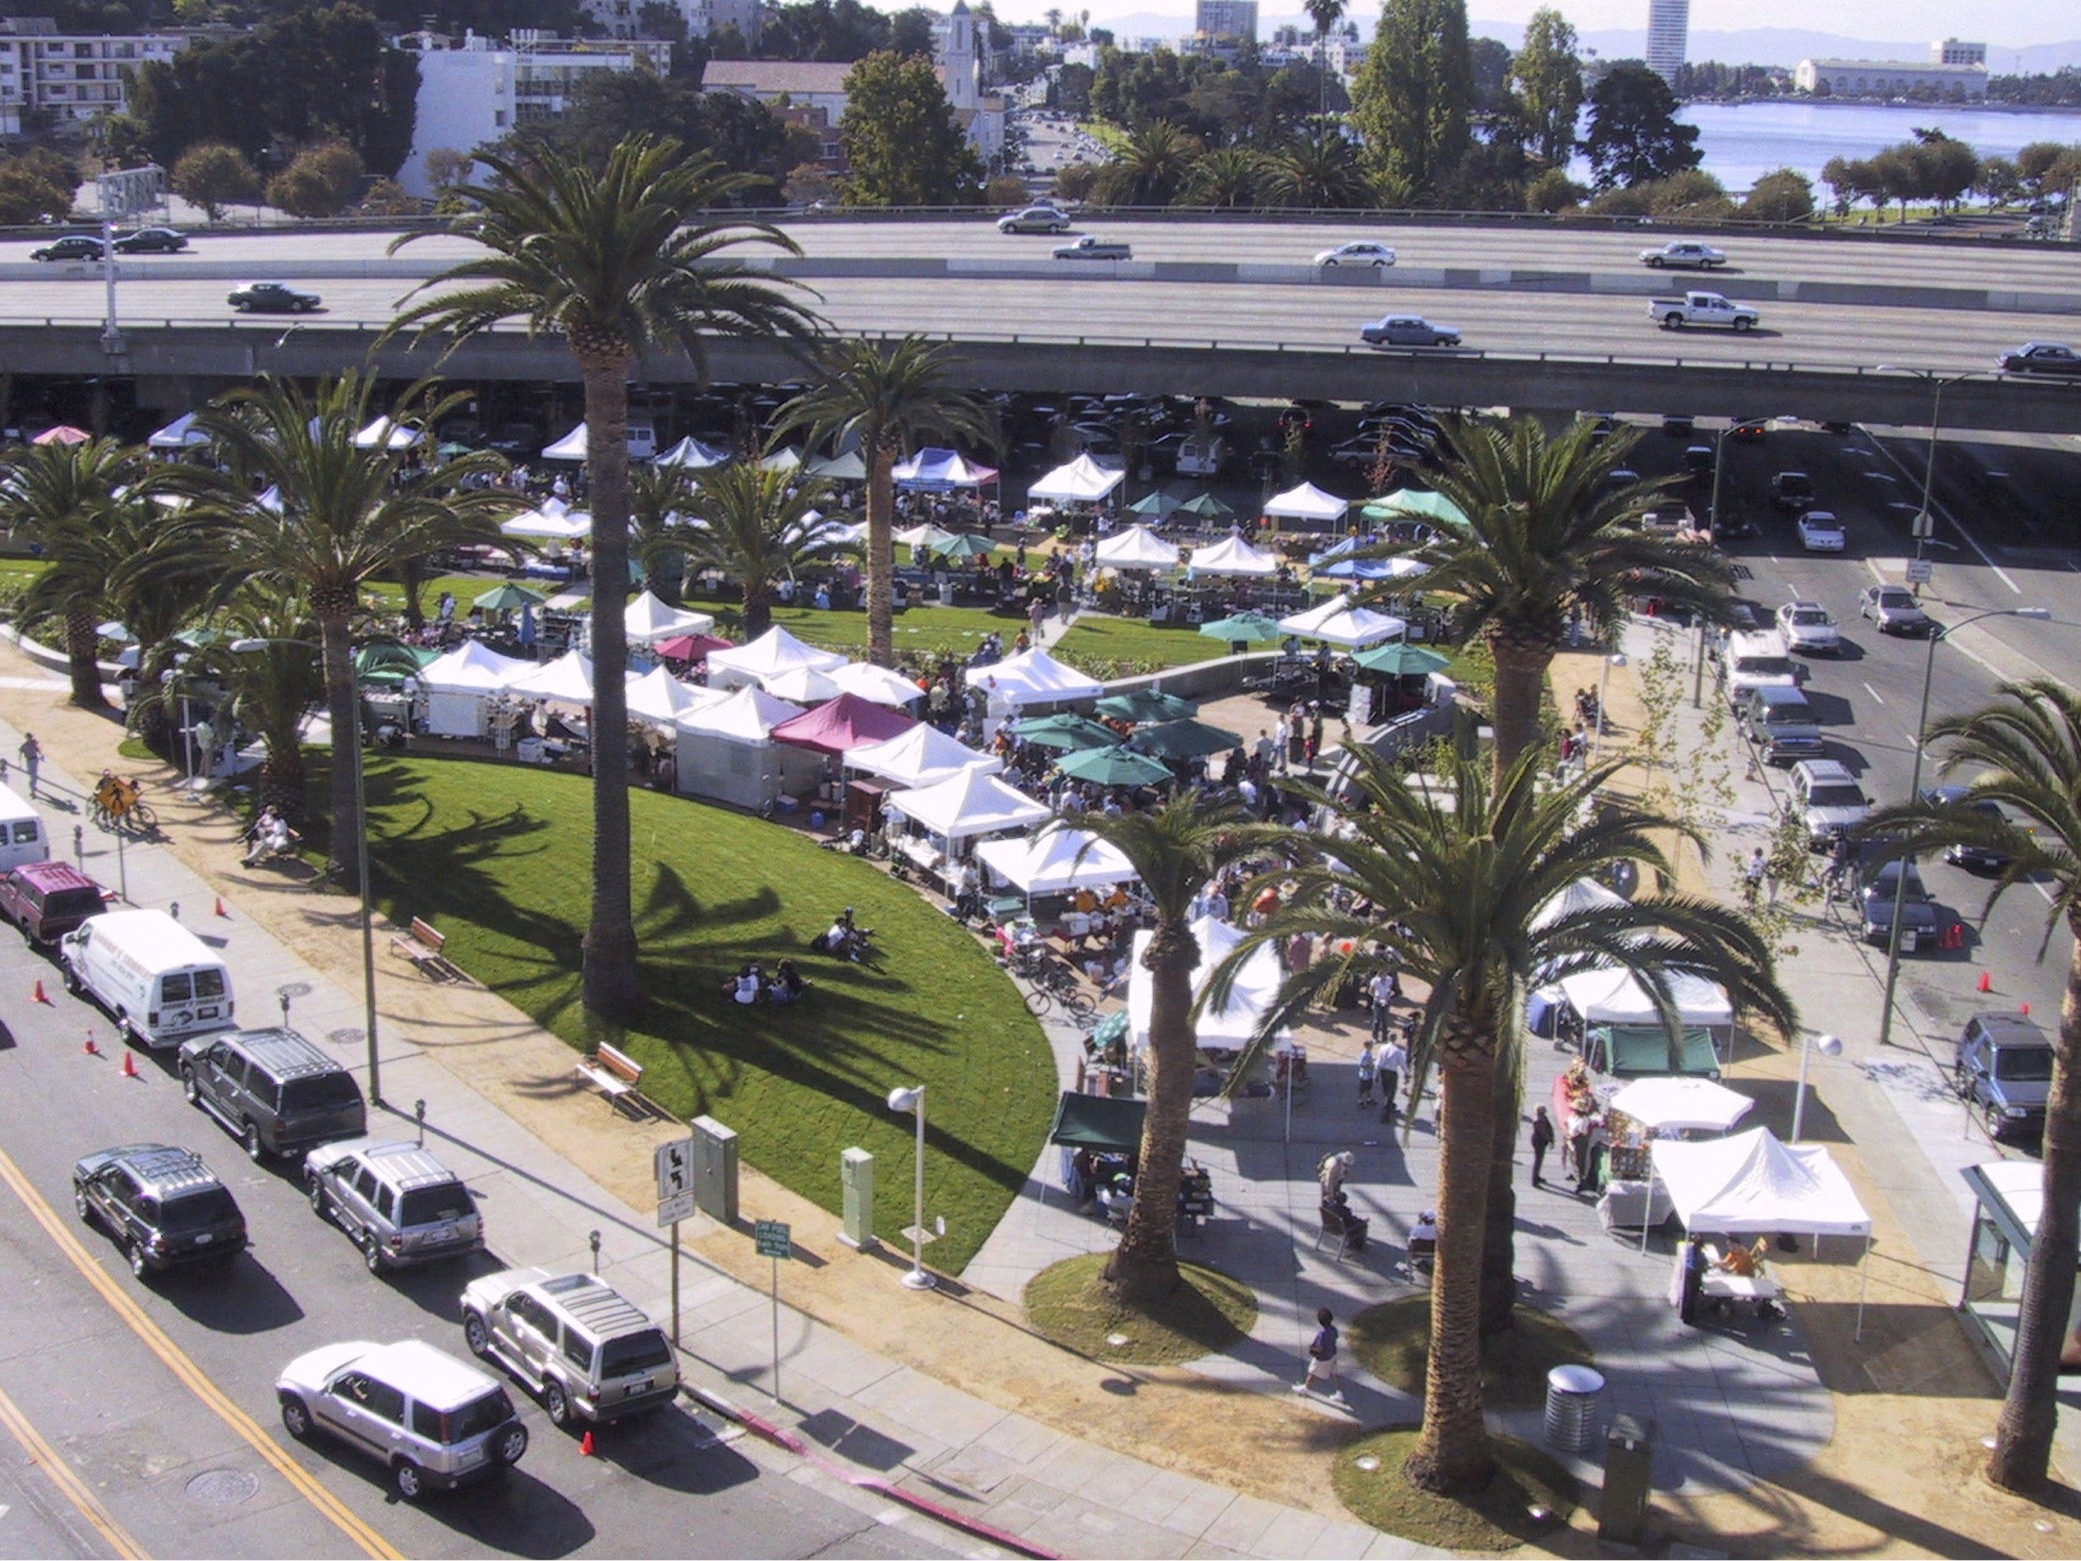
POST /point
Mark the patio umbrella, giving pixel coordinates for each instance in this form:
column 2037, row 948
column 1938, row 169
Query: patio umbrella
column 451, row 450
column 1401, row 660
column 1156, row 504
column 966, row 545
column 1206, row 507
column 1065, row 731
column 1147, row 706
column 507, row 597
column 1113, row 767
column 690, row 647
column 1183, row 740
column 1251, row 627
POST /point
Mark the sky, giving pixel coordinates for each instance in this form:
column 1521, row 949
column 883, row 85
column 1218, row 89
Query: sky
column 1998, row 22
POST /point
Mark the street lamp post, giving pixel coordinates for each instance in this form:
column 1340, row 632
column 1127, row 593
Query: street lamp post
column 1828, row 1046
column 1925, row 518
column 1616, row 658
column 361, row 861
column 1900, row 879
column 913, row 1101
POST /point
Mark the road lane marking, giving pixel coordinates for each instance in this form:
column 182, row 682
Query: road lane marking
column 70, row 1485
column 1874, row 693
column 190, row 1375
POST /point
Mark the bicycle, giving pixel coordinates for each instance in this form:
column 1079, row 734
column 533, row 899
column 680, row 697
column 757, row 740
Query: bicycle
column 1055, row 987
column 117, row 805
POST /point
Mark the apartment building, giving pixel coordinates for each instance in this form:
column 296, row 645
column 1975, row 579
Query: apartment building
column 65, row 78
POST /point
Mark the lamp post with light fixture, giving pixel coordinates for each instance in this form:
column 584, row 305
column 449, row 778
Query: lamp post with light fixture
column 912, row 1099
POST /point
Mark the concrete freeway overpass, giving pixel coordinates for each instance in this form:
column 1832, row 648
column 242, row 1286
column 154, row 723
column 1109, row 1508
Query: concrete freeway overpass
column 1554, row 319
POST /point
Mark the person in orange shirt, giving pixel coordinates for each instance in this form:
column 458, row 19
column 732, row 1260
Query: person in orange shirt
column 1266, row 905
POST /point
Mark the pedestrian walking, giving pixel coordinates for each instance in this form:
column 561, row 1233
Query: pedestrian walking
column 32, row 757
column 1037, row 614
column 1542, row 1140
column 1322, row 1355
column 1368, row 1065
column 1752, row 878
column 1590, row 1157
column 1394, row 1059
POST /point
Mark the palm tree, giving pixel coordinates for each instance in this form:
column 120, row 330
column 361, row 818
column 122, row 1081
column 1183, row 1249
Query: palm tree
column 1474, row 867
column 1229, row 179
column 158, row 584
column 1151, row 169
column 57, row 498
column 618, row 262
column 270, row 689
column 2024, row 752
column 658, row 498
column 1320, row 170
column 881, row 396
column 1325, row 14
column 760, row 527
column 302, row 507
column 1175, row 849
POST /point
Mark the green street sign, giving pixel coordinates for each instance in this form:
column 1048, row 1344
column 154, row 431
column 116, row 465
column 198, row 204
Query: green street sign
column 773, row 1238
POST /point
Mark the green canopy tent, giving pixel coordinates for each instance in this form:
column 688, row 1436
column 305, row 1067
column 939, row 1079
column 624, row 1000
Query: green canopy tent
column 1412, row 504
column 508, row 597
column 1401, row 660
column 1155, row 505
column 965, row 545
column 1644, row 1051
column 1244, row 628
column 386, row 663
column 1114, row 767
column 1205, row 507
column 1098, row 1122
column 1146, row 706
column 1065, row 731
column 1183, row 740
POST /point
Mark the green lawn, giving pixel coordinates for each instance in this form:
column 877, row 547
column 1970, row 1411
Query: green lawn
column 919, row 631
column 1122, row 647
column 498, row 857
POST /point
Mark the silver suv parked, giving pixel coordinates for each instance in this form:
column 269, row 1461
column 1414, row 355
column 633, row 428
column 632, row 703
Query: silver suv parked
column 434, row 1421
column 395, row 1201
column 580, row 1347
column 273, row 1089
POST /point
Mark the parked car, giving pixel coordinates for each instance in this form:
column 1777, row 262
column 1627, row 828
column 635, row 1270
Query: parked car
column 272, row 1089
column 1877, row 884
column 1359, row 252
column 1894, row 609
column 1755, row 658
column 1684, row 253
column 271, row 298
column 395, row 1201
column 1792, row 492
column 2042, row 357
column 1034, row 219
column 583, row 1350
column 48, row 899
column 161, row 1205
column 434, row 1421
column 1808, row 627
column 1977, row 857
column 2003, row 1067
column 1408, row 330
column 151, row 241
column 74, row 246
column 1830, row 801
column 1820, row 532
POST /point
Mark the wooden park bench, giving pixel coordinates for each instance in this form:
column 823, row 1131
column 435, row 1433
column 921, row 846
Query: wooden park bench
column 617, row 1076
column 423, row 946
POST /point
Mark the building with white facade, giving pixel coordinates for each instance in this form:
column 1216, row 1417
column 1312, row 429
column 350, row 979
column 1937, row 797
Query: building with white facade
column 67, row 78
column 1226, row 18
column 1954, row 73
column 1668, row 37
column 480, row 92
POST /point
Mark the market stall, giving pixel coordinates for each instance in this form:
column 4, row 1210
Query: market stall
column 726, row 752
column 461, row 685
column 922, row 756
column 1338, row 622
column 647, row 621
column 1055, row 860
column 1082, row 481
column 970, row 806
column 773, row 652
column 840, row 725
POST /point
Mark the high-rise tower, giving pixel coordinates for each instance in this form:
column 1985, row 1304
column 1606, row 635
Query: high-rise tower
column 1668, row 27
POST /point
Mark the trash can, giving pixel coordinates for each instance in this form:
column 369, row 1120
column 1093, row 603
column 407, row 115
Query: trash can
column 1629, row 1458
column 1572, row 1395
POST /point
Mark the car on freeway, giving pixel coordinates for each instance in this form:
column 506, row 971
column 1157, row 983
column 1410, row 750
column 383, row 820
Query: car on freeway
column 151, row 241
column 271, row 298
column 2042, row 357
column 1980, row 858
column 1034, row 219
column 433, row 1421
column 1792, row 492
column 161, row 1205
column 1820, row 532
column 1829, row 800
column 1748, row 430
column 1808, row 627
column 1092, row 247
column 1894, row 609
column 1679, row 425
column 1684, row 253
column 74, row 246
column 1407, row 330
column 583, row 1350
column 1359, row 252
column 2003, row 1067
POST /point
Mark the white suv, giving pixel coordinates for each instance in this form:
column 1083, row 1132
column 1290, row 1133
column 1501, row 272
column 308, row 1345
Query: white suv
column 1830, row 801
column 573, row 1340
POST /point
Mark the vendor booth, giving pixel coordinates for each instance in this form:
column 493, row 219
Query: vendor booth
column 1308, row 503
column 726, row 752
column 660, row 697
column 1338, row 622
column 1137, row 547
column 970, row 806
column 922, row 756
column 840, row 725
column 647, row 621
column 773, row 652
column 879, row 684
column 383, row 434
column 1230, row 1026
column 461, row 686
column 1233, row 556
column 1035, row 678
column 1082, row 481
column 180, row 434
column 1056, row 860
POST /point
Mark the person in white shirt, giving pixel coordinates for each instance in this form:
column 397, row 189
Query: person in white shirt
column 1382, row 991
column 1394, row 1062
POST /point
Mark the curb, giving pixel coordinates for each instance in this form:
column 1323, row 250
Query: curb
column 780, row 1436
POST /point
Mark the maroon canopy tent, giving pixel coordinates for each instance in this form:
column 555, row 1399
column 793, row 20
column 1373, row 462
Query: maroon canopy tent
column 690, row 647
column 840, row 725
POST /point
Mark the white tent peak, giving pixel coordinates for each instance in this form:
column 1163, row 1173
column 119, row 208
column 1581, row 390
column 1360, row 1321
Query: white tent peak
column 1136, row 547
column 773, row 652
column 923, row 756
column 1233, row 556
column 1033, row 676
column 1082, row 481
column 1307, row 502
column 972, row 802
column 748, row 714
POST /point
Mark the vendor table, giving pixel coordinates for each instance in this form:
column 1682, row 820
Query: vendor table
column 1630, row 1205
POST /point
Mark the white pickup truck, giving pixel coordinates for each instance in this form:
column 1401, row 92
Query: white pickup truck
column 1701, row 309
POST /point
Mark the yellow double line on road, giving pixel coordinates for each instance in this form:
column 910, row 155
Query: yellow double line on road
column 190, row 1375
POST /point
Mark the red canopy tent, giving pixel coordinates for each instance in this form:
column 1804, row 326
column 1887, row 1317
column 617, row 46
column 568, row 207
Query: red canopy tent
column 840, row 725
column 63, row 433
column 690, row 647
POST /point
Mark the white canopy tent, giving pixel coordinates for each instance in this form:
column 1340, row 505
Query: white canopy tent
column 1617, row 997
column 1035, row 677
column 876, row 684
column 180, row 434
column 726, row 751
column 786, row 459
column 568, row 680
column 803, row 686
column 1055, row 861
column 772, row 653
column 845, row 467
column 971, row 803
column 1584, row 894
column 660, row 697
column 383, row 434
column 1082, row 481
column 693, row 455
column 925, row 535
column 1233, row 556
column 1307, row 502
column 461, row 685
column 554, row 521
column 1337, row 622
column 921, row 757
column 1236, row 1021
column 1682, row 1104
column 646, row 620
column 1136, row 548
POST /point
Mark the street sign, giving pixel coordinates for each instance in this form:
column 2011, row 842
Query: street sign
column 1925, row 525
column 773, row 1238
column 675, row 1168
column 1921, row 571
column 679, row 1206
column 131, row 190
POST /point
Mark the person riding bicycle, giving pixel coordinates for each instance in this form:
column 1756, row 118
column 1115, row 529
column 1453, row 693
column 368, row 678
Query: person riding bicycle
column 1836, row 875
column 115, row 795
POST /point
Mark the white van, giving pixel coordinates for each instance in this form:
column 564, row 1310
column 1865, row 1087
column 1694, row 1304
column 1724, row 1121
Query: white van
column 22, row 839
column 1757, row 659
column 159, row 981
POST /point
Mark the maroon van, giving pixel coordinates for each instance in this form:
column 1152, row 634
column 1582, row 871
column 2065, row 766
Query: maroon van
column 48, row 899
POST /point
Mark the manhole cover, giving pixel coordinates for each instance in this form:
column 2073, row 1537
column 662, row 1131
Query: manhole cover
column 223, row 1487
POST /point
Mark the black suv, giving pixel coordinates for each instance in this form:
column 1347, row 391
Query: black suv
column 163, row 1206
column 2004, row 1068
column 274, row 1089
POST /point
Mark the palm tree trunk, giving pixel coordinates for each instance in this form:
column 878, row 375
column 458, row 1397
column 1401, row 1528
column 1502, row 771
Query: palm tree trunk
column 282, row 778
column 758, row 610
column 2022, row 1456
column 612, row 989
column 1144, row 1267
column 881, row 557
column 1520, row 680
column 1452, row 1454
column 343, row 706
column 80, row 644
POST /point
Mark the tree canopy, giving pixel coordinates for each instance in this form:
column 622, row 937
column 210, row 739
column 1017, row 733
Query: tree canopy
column 901, row 143
column 1547, row 72
column 1634, row 136
column 1411, row 98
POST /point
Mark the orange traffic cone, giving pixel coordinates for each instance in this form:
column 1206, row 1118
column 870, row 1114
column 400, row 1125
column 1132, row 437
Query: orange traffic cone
column 2026, row 1010
column 585, row 1445
column 39, row 993
column 1986, row 982
column 220, row 908
column 129, row 1065
column 90, row 1048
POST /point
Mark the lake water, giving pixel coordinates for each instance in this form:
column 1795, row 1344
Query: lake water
column 1744, row 141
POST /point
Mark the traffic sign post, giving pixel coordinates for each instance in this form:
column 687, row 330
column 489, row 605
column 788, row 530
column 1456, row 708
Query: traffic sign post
column 776, row 1240
column 674, row 1163
column 124, row 193
column 1921, row 571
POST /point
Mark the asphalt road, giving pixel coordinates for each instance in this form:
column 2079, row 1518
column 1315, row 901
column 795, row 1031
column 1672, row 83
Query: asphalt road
column 157, row 1397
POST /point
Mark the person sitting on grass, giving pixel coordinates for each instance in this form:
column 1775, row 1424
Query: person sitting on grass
column 786, row 985
column 744, row 987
